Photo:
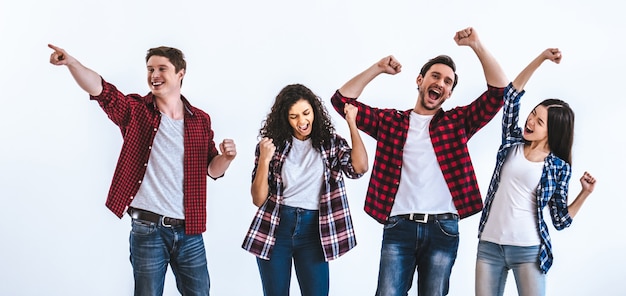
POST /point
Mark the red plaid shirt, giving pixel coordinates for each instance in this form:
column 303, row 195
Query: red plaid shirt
column 138, row 119
column 449, row 133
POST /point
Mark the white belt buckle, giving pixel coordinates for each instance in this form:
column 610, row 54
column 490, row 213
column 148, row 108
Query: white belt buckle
column 424, row 220
column 163, row 222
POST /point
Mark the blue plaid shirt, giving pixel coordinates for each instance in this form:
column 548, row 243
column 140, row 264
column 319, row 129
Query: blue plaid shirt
column 552, row 189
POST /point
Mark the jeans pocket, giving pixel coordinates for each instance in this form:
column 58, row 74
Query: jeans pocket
column 140, row 227
column 449, row 227
column 391, row 222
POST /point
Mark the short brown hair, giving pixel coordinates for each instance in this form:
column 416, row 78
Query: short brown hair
column 441, row 59
column 176, row 57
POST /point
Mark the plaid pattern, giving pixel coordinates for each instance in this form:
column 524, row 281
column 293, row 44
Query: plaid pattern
column 552, row 189
column 138, row 119
column 449, row 133
column 336, row 229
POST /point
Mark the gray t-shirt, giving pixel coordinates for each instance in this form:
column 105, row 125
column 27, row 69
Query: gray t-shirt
column 303, row 176
column 161, row 190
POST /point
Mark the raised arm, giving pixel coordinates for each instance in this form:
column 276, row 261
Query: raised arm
column 588, row 183
column 553, row 54
column 494, row 74
column 354, row 87
column 87, row 79
column 359, row 154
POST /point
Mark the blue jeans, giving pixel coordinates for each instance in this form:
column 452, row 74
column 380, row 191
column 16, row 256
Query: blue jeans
column 493, row 262
column 153, row 247
column 430, row 247
column 297, row 240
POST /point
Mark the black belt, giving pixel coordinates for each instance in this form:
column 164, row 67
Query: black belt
column 425, row 218
column 144, row 215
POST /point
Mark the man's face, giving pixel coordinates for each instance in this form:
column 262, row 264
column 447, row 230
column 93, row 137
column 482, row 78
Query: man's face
column 162, row 76
column 435, row 87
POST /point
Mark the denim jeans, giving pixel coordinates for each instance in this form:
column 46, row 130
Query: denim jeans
column 153, row 247
column 430, row 247
column 493, row 262
column 297, row 240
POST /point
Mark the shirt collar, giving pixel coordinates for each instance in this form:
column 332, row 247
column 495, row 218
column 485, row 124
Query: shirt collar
column 152, row 103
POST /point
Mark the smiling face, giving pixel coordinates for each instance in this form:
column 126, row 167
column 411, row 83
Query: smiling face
column 536, row 128
column 435, row 87
column 163, row 79
column 301, row 119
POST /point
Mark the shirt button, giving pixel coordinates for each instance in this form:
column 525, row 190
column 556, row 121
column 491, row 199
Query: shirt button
column 149, row 147
column 145, row 164
column 155, row 129
column 131, row 197
column 139, row 182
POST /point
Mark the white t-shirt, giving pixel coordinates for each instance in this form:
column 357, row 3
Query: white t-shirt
column 303, row 176
column 422, row 188
column 513, row 214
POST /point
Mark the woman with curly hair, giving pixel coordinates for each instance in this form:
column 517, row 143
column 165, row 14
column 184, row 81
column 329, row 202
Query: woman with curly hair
column 297, row 183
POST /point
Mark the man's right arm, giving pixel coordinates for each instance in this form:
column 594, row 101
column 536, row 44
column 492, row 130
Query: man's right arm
column 87, row 79
column 354, row 86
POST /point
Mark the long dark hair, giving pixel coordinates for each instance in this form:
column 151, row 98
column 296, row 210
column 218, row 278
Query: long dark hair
column 276, row 125
column 560, row 128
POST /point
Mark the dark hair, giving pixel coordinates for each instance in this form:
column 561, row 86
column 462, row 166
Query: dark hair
column 176, row 57
column 441, row 59
column 276, row 125
column 560, row 128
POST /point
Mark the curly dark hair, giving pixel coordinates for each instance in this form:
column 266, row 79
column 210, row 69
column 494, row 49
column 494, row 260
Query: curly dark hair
column 276, row 125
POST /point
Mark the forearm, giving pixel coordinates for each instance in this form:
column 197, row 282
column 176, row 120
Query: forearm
column 575, row 206
column 494, row 74
column 523, row 77
column 358, row 154
column 354, row 87
column 218, row 166
column 87, row 79
column 260, row 187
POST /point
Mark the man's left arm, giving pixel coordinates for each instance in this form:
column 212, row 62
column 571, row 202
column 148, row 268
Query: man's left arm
column 220, row 163
column 494, row 74
column 483, row 109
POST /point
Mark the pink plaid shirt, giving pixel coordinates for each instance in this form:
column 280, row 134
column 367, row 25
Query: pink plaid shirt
column 336, row 229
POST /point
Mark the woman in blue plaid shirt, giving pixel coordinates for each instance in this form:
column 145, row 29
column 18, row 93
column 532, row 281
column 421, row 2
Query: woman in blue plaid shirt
column 533, row 170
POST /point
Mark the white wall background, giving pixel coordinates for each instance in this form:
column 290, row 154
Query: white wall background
column 58, row 150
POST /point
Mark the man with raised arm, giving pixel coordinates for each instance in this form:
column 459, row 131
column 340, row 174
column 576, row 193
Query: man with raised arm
column 423, row 180
column 161, row 175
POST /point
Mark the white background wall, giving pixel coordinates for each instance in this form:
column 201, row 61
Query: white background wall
column 58, row 150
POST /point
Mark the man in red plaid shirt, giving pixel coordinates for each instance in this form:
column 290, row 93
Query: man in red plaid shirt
column 423, row 180
column 161, row 175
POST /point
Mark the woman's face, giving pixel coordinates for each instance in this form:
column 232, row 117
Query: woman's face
column 536, row 128
column 301, row 119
